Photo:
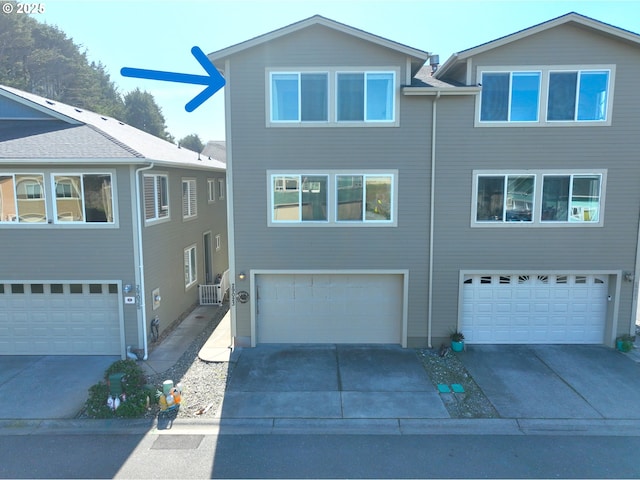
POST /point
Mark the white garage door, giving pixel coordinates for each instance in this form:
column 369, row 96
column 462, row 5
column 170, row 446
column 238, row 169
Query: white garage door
column 59, row 319
column 534, row 308
column 329, row 308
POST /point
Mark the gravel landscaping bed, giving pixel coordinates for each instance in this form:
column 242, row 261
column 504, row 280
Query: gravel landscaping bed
column 204, row 383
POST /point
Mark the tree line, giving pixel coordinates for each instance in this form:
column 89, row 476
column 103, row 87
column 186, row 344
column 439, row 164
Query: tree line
column 42, row 59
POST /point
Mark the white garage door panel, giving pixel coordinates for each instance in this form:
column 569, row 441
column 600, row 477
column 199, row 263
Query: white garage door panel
column 324, row 308
column 40, row 321
column 534, row 308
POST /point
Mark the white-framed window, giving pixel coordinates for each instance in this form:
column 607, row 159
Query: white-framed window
column 546, row 96
column 82, row 198
column 22, row 198
column 332, row 97
column 365, row 96
column 189, row 198
column 538, row 198
column 211, row 190
column 218, row 242
column 323, row 198
column 156, row 197
column 299, row 97
column 221, row 188
column 190, row 266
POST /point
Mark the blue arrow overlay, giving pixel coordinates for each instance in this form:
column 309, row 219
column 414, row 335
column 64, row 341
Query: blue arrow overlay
column 214, row 80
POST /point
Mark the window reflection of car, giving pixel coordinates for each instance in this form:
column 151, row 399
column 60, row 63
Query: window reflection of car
column 518, row 215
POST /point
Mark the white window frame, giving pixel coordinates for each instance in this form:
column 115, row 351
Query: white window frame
column 211, row 190
column 332, row 120
column 14, row 198
column 189, row 198
column 366, row 74
column 537, row 221
column 332, row 199
column 221, row 188
column 218, row 239
column 84, row 222
column 190, row 258
column 158, row 179
column 543, row 97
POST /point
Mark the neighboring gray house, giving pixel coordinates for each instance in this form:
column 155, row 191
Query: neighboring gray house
column 103, row 228
column 373, row 201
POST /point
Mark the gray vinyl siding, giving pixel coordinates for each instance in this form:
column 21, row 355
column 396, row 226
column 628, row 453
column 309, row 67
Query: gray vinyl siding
column 74, row 253
column 613, row 148
column 257, row 149
column 164, row 243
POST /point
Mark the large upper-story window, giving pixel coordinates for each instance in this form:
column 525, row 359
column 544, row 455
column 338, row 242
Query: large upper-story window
column 332, row 97
column 546, row 96
column 22, row 198
column 538, row 198
column 83, row 198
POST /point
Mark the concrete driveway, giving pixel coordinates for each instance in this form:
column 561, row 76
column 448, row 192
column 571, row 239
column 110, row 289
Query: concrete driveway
column 556, row 381
column 48, row 387
column 330, row 382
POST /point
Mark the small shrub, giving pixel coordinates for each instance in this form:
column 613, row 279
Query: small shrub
column 133, row 386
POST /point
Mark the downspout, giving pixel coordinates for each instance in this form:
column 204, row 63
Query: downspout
column 431, row 214
column 141, row 293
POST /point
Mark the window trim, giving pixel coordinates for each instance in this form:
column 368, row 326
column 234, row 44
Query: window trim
column 211, row 190
column 14, row 198
column 218, row 242
column 332, row 199
column 190, row 265
column 191, row 200
column 157, row 208
column 54, row 202
column 536, row 221
column 543, row 95
column 221, row 188
column 332, row 99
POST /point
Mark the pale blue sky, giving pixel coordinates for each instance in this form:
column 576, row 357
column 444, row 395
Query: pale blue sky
column 159, row 34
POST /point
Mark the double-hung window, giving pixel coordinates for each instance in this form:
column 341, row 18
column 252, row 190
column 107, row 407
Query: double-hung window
column 83, row 198
column 543, row 198
column 22, row 198
column 300, row 97
column 156, row 197
column 189, row 198
column 546, row 96
column 190, row 266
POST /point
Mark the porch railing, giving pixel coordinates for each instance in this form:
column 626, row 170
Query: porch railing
column 214, row 294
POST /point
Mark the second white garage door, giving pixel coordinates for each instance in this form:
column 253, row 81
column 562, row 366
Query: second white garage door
column 329, row 308
column 534, row 308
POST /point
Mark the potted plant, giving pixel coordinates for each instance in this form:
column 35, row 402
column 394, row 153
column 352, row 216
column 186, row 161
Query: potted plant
column 624, row 343
column 457, row 341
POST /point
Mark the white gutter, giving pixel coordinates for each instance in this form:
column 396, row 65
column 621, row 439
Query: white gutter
column 140, row 271
column 440, row 91
column 434, row 112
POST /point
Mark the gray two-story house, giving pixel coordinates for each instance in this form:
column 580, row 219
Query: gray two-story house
column 377, row 197
column 103, row 229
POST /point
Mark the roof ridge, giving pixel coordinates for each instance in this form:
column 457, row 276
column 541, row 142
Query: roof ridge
column 111, row 138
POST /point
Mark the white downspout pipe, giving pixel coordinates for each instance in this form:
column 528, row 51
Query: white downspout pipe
column 431, row 215
column 140, row 272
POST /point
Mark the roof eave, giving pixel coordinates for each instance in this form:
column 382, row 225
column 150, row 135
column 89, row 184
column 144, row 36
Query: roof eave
column 440, row 91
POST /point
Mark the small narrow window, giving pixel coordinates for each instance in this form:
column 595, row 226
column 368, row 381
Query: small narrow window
column 113, row 288
column 37, row 288
column 75, row 288
column 17, row 288
column 189, row 199
column 57, row 288
column 95, row 288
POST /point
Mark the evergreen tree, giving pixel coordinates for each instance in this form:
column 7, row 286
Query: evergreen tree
column 141, row 111
column 192, row 142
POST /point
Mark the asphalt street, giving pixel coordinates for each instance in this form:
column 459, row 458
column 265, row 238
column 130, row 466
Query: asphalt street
column 318, row 456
